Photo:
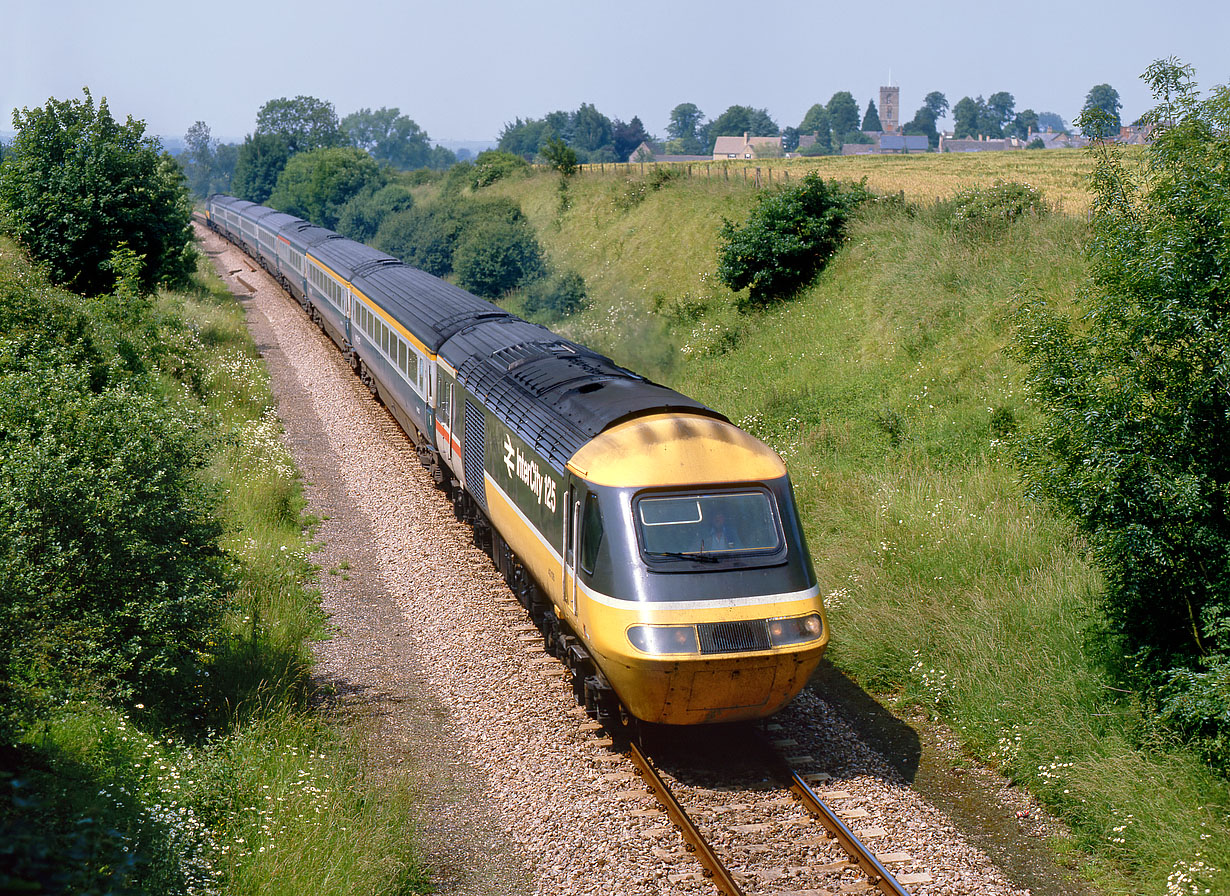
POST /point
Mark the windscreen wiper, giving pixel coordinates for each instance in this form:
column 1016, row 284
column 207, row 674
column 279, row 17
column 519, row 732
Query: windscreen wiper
column 681, row 555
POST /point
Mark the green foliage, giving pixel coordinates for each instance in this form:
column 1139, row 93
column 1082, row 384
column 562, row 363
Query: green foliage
column 788, row 238
column 427, row 236
column 1134, row 442
column 360, row 218
column 495, row 256
column 304, row 123
column 560, row 157
column 1100, row 115
column 258, row 163
column 871, row 120
column 392, row 138
column 554, row 296
column 494, row 164
column 208, row 166
column 685, row 124
column 985, row 212
column 316, row 185
column 843, row 114
column 111, row 580
column 76, row 185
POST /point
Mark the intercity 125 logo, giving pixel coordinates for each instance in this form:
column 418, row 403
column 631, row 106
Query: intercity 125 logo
column 521, row 467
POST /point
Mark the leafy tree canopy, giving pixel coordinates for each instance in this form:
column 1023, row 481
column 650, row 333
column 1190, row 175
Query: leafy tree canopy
column 627, row 136
column 1053, row 121
column 258, row 163
column 685, row 126
column 390, row 137
column 1100, row 114
column 77, row 187
column 843, row 113
column 1134, row 443
column 936, row 103
column 871, row 119
column 315, row 185
column 305, row 123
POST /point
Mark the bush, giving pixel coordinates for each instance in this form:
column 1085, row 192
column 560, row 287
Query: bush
column 789, row 237
column 555, row 296
column 1134, row 441
column 111, row 580
column 983, row 212
column 495, row 256
column 360, row 218
column 76, row 186
column 493, row 165
column 317, row 185
column 427, row 236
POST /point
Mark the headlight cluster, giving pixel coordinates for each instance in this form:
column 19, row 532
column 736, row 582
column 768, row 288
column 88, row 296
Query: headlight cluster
column 660, row 639
column 795, row 630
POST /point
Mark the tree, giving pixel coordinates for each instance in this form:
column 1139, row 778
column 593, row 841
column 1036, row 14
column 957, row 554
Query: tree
column 978, row 118
column 560, row 156
column 592, row 130
column 1133, row 445
column 684, row 126
column 1100, row 114
column 628, row 137
column 1024, row 125
column 1052, row 121
column 258, row 163
column 523, row 138
column 966, row 115
column 77, row 188
column 871, row 120
column 843, row 114
column 497, row 256
column 389, row 137
column 315, row 185
column 198, row 159
column 936, row 103
column 1001, row 108
column 817, row 122
column 305, row 123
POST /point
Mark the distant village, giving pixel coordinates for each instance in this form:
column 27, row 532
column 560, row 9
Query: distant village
column 888, row 141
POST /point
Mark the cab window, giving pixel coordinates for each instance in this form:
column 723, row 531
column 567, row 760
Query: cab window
column 709, row 527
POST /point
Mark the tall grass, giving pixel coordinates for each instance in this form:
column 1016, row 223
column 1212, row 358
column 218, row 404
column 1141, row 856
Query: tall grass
column 887, row 389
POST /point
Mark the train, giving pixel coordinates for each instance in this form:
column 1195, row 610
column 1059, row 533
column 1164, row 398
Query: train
column 657, row 546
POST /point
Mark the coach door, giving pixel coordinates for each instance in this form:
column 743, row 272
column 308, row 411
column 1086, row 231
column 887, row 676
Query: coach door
column 572, row 526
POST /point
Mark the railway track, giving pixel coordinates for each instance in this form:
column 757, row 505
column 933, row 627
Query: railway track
column 777, row 855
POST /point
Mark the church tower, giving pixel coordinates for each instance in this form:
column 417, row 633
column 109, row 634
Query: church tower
column 890, row 108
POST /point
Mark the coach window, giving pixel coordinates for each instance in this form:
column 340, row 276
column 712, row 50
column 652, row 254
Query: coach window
column 591, row 534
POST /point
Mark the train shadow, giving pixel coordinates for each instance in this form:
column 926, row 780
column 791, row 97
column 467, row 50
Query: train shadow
column 894, row 739
column 832, row 727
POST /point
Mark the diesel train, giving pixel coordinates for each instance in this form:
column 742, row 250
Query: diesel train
column 656, row 545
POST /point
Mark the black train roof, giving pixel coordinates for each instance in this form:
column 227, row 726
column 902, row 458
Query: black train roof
column 430, row 308
column 555, row 394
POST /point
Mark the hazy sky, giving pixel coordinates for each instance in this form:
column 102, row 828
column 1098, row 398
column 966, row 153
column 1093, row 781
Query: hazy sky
column 464, row 68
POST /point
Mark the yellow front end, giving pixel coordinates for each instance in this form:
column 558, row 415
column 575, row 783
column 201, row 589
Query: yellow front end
column 676, row 689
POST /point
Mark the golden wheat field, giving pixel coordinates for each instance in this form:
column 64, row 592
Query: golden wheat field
column 1061, row 174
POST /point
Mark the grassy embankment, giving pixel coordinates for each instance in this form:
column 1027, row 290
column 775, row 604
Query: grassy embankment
column 253, row 792
column 887, row 388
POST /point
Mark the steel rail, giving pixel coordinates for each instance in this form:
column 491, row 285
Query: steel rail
column 708, row 858
column 880, row 877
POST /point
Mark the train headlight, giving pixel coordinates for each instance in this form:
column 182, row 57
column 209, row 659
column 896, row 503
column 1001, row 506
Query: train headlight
column 795, row 630
column 660, row 639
